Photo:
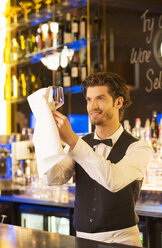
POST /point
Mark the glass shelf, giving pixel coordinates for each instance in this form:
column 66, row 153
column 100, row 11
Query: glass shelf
column 36, row 57
column 46, row 14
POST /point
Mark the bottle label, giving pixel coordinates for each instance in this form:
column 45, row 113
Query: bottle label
column 74, row 72
column 67, row 81
column 83, row 73
column 67, row 38
column 83, row 29
column 75, row 27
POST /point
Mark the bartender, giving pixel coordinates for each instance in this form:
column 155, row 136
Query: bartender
column 110, row 164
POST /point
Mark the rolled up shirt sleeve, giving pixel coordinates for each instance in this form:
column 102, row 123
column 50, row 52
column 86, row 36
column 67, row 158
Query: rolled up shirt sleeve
column 112, row 176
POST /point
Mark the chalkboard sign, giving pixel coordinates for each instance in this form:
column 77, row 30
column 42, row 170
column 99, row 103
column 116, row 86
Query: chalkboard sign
column 134, row 51
column 134, row 43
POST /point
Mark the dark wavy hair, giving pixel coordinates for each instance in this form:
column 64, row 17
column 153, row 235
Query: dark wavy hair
column 116, row 87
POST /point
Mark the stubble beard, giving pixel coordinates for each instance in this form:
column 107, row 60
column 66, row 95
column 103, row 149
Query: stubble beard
column 102, row 121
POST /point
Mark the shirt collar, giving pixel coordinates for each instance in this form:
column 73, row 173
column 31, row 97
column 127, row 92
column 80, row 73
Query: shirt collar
column 115, row 136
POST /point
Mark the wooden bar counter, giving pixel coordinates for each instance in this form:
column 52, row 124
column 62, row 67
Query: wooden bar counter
column 19, row 237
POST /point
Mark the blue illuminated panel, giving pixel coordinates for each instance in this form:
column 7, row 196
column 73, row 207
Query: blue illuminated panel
column 79, row 123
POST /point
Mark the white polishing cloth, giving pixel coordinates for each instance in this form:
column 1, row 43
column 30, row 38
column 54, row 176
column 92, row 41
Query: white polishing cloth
column 46, row 139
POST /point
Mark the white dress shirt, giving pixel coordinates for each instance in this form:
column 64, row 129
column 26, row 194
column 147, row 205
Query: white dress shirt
column 112, row 176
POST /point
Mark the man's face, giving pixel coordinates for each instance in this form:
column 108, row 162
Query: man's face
column 100, row 105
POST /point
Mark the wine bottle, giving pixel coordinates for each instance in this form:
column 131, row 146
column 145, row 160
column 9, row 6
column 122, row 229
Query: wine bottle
column 83, row 27
column 60, row 35
column 49, row 36
column 83, row 70
column 75, row 26
column 97, row 27
column 75, row 69
column 67, row 30
column 67, row 76
column 59, row 76
column 154, row 131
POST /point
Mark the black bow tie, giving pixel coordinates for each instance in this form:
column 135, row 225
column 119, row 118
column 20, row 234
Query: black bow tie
column 107, row 142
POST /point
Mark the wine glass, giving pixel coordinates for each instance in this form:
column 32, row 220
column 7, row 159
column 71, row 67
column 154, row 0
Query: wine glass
column 26, row 7
column 58, row 96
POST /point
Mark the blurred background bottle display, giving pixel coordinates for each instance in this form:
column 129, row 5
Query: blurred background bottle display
column 152, row 134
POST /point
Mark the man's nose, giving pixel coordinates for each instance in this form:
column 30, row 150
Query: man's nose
column 94, row 104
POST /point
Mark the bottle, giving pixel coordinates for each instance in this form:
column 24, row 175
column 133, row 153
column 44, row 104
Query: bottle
column 154, row 131
column 147, row 132
column 7, row 51
column 75, row 70
column 127, row 126
column 136, row 131
column 83, row 70
column 67, row 29
column 83, row 27
column 38, row 39
column 15, row 49
column 23, row 84
column 32, row 79
column 97, row 27
column 60, row 34
column 22, row 45
column 75, row 26
column 67, row 76
column 7, row 89
column 59, row 76
column 28, row 43
column 43, row 39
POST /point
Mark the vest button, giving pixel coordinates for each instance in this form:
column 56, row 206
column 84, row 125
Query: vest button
column 91, row 220
column 94, row 209
column 95, row 199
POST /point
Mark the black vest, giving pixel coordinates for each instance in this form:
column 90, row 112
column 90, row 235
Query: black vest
column 96, row 208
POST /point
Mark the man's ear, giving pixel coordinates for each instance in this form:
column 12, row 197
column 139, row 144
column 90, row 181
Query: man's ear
column 119, row 102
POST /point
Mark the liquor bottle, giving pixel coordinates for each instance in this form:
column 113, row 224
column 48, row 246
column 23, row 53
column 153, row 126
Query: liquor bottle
column 67, row 76
column 75, row 70
column 7, row 51
column 75, row 26
column 29, row 43
column 43, row 39
column 38, row 39
column 83, row 27
column 20, row 94
column 32, row 79
column 154, row 131
column 147, row 133
column 7, row 88
column 15, row 87
column 60, row 34
column 15, row 49
column 23, row 83
column 127, row 126
column 59, row 76
column 49, row 36
column 136, row 131
column 22, row 45
column 67, row 29
column 34, row 44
